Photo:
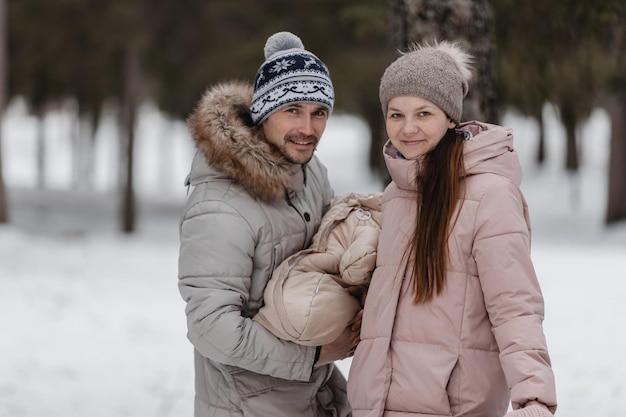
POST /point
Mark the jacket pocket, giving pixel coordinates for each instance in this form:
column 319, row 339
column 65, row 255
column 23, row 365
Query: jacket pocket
column 264, row 395
column 420, row 378
column 250, row 383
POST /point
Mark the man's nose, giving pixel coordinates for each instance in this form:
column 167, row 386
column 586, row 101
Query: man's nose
column 306, row 125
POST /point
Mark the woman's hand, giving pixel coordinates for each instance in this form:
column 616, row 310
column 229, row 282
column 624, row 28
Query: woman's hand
column 531, row 409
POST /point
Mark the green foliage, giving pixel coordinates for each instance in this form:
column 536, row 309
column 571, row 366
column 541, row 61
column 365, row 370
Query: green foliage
column 554, row 51
column 66, row 48
column 74, row 48
column 546, row 50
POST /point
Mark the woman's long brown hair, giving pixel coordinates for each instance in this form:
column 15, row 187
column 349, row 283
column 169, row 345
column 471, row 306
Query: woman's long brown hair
column 439, row 191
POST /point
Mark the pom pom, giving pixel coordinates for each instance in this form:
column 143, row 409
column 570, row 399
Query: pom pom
column 462, row 59
column 281, row 41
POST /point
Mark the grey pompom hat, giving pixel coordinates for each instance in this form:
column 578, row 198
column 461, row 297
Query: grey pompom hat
column 289, row 74
column 439, row 73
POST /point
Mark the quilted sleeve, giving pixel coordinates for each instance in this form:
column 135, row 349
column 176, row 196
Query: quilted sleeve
column 359, row 259
column 512, row 293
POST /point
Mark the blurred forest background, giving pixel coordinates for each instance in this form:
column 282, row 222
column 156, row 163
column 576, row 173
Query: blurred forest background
column 119, row 54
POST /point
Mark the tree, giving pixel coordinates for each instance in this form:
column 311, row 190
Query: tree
column 30, row 50
column 468, row 22
column 522, row 60
column 130, row 103
column 615, row 103
column 174, row 51
column 616, row 204
column 202, row 43
column 561, row 60
column 130, row 42
column 178, row 49
column 4, row 216
column 582, row 65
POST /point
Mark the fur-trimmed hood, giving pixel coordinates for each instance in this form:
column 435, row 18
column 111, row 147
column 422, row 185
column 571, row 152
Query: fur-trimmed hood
column 233, row 147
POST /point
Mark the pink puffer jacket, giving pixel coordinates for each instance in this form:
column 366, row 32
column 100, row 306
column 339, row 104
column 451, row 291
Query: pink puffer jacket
column 480, row 342
column 306, row 299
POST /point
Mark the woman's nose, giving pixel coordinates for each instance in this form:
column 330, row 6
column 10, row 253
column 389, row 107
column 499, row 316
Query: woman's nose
column 409, row 126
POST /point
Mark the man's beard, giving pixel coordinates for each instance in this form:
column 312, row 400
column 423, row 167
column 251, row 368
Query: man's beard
column 297, row 138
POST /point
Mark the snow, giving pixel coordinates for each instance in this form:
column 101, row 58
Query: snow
column 91, row 320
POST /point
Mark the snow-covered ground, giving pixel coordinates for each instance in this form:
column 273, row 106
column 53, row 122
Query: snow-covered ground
column 91, row 322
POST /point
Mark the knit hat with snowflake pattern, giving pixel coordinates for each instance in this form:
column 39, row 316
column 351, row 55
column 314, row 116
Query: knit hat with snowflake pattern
column 289, row 74
column 438, row 73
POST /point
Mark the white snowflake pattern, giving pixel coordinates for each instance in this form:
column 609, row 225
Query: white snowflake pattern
column 282, row 65
column 309, row 62
column 261, row 78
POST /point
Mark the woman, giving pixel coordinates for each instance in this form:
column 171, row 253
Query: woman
column 452, row 324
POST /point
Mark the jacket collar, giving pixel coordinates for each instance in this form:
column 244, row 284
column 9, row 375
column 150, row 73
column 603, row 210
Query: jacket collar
column 230, row 146
column 490, row 150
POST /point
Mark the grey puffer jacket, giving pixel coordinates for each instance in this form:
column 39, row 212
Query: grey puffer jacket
column 248, row 211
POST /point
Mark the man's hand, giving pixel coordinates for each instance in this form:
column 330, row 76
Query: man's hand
column 359, row 292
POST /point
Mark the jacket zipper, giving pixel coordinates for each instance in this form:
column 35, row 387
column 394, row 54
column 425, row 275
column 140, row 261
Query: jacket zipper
column 306, row 229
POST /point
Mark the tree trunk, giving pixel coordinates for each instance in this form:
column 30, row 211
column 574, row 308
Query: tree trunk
column 374, row 118
column 615, row 105
column 75, row 139
column 572, row 163
column 616, row 206
column 41, row 148
column 131, row 74
column 468, row 21
column 571, row 149
column 569, row 120
column 541, row 145
column 83, row 158
column 4, row 66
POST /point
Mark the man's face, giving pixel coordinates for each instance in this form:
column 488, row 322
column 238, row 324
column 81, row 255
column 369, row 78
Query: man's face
column 296, row 130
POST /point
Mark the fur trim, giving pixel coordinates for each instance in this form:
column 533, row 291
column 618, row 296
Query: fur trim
column 462, row 59
column 223, row 131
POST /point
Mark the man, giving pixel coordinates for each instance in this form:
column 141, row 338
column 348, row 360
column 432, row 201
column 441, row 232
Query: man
column 258, row 196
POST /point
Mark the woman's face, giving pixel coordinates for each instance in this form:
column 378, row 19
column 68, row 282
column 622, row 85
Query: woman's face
column 415, row 126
